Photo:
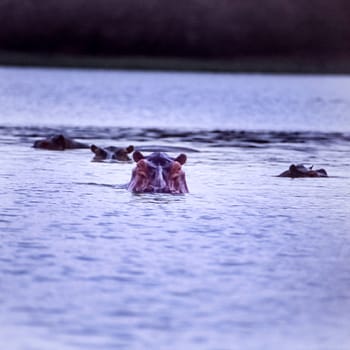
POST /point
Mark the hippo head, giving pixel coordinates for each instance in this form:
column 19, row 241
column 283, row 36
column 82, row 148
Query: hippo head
column 158, row 173
column 300, row 170
column 111, row 153
column 58, row 142
column 55, row 142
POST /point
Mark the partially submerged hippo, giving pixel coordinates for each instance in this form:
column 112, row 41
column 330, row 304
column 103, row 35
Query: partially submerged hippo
column 158, row 173
column 300, row 170
column 59, row 143
column 111, row 153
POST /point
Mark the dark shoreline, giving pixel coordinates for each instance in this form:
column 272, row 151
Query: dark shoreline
column 273, row 65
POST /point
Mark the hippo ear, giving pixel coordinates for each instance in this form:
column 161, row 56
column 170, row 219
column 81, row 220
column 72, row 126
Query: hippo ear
column 94, row 148
column 137, row 156
column 181, row 158
column 129, row 149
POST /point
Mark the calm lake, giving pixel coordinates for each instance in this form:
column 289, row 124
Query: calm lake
column 246, row 260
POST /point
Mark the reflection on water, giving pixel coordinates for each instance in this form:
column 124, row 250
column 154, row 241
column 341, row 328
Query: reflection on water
column 244, row 259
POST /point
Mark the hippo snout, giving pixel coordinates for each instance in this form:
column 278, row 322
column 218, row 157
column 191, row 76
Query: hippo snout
column 159, row 182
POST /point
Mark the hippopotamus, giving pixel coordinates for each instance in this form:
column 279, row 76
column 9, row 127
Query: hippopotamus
column 111, row 153
column 158, row 173
column 300, row 170
column 59, row 143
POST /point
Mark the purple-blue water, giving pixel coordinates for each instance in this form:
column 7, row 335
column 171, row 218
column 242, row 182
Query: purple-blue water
column 246, row 260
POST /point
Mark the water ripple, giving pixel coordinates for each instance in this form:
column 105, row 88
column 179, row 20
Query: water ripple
column 212, row 138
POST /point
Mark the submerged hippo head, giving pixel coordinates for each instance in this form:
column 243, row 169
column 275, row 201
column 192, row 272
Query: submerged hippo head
column 158, row 173
column 58, row 143
column 111, row 153
column 300, row 170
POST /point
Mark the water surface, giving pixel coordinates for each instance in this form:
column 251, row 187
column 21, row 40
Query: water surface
column 246, row 260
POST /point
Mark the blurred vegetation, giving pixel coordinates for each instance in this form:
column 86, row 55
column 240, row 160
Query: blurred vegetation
column 228, row 30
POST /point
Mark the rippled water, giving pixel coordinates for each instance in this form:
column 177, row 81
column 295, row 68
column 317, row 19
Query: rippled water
column 246, row 260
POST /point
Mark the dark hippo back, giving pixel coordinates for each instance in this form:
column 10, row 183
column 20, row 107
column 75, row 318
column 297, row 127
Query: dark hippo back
column 58, row 143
